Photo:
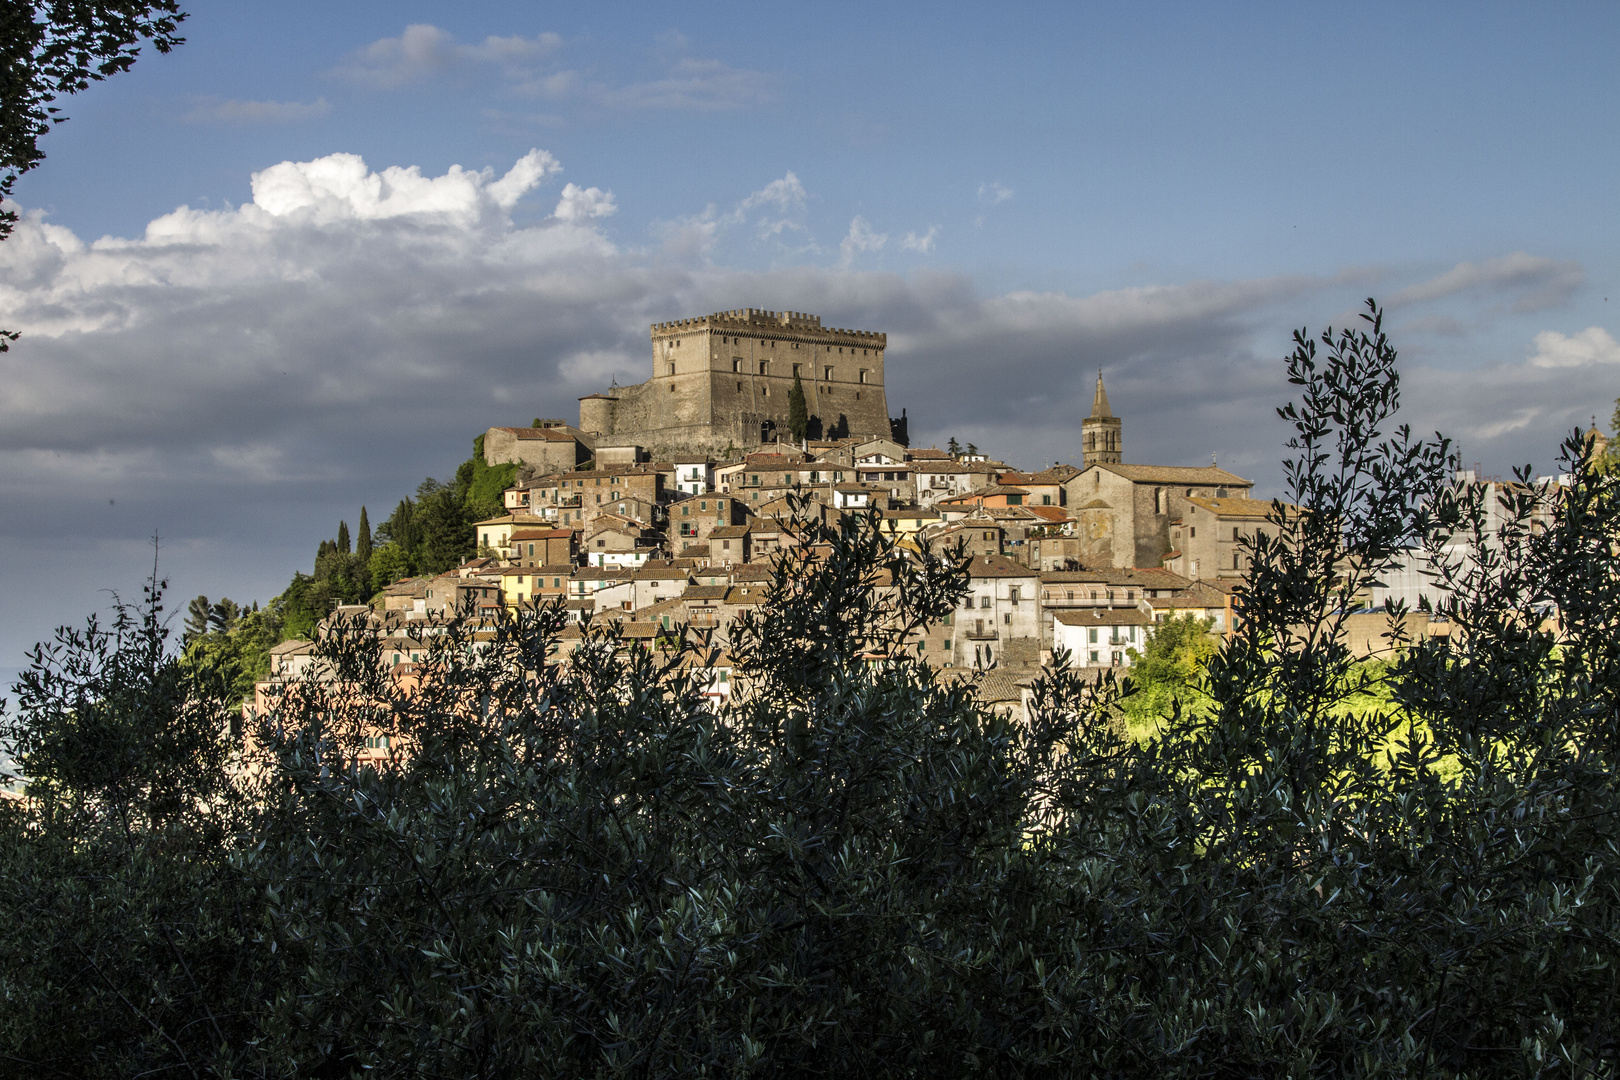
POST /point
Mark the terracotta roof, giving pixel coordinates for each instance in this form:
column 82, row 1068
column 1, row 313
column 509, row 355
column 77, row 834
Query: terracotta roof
column 989, row 566
column 745, row 594
column 705, row 592
column 1053, row 514
column 727, row 532
column 541, row 534
column 930, row 454
column 1176, row 474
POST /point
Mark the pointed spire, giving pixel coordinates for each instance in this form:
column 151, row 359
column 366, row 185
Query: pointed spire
column 1099, row 403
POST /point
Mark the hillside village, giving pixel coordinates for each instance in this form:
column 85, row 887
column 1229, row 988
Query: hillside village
column 650, row 528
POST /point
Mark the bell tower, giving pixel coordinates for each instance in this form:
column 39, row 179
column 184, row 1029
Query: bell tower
column 1100, row 432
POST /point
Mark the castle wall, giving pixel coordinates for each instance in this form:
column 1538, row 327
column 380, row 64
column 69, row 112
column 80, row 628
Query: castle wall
column 718, row 380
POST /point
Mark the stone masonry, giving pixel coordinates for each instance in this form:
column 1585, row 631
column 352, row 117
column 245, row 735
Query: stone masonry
column 722, row 381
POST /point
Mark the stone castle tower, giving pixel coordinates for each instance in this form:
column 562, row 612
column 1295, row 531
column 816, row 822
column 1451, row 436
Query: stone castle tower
column 1100, row 432
column 723, row 380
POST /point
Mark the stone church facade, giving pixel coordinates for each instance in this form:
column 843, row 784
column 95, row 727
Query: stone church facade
column 722, row 381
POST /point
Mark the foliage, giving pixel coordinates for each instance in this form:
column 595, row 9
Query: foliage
column 856, row 869
column 52, row 48
column 1167, row 673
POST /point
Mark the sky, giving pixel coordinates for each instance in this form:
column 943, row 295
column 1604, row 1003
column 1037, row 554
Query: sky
column 295, row 266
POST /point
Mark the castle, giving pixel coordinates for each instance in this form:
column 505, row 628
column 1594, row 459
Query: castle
column 723, row 381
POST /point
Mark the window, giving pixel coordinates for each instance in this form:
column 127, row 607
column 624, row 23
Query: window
column 531, row 551
column 725, row 676
column 1091, row 639
column 762, row 367
column 1192, row 532
column 1015, row 500
column 601, row 543
column 1234, row 534
column 827, row 373
column 1006, row 619
column 671, row 369
column 1046, row 500
column 796, row 372
column 863, row 375
column 984, row 601
column 725, row 545
column 736, row 365
column 1012, row 594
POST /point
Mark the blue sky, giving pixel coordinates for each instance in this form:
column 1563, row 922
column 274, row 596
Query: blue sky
column 1017, row 194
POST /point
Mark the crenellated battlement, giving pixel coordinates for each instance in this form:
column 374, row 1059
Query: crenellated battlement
column 760, row 322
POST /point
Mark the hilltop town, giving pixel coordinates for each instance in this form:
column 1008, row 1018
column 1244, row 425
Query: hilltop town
column 666, row 503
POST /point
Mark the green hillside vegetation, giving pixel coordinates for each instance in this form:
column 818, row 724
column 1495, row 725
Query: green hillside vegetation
column 426, row 534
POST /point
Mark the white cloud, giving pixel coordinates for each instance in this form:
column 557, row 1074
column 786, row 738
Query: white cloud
column 249, row 113
column 582, row 204
column 1594, row 345
column 339, row 187
column 424, row 50
column 1540, row 282
column 994, row 193
column 924, row 243
column 861, row 237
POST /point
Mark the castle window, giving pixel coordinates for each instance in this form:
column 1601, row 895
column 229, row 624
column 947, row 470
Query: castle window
column 762, row 367
column 736, row 363
column 863, row 375
column 1234, row 534
column 764, row 391
column 739, row 388
column 672, row 385
column 826, row 373
column 672, row 371
column 796, row 372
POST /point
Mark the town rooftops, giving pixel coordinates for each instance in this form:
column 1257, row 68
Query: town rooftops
column 541, row 534
column 729, row 532
column 706, row 593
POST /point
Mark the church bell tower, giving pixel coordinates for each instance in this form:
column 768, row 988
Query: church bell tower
column 1100, row 432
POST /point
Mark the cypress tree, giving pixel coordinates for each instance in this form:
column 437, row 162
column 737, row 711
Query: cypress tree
column 362, row 540
column 798, row 414
column 343, row 537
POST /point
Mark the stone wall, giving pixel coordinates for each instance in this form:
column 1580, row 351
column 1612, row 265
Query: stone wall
column 724, row 380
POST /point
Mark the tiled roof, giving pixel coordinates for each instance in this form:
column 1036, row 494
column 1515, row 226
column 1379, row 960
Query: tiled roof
column 1176, row 474
column 1235, row 508
column 989, row 566
column 1103, row 617
column 541, row 534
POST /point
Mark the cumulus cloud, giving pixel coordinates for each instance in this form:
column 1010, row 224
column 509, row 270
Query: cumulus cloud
column 861, row 237
column 425, row 50
column 1594, row 345
column 582, row 204
column 697, row 233
column 1535, row 281
column 256, row 113
column 339, row 187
